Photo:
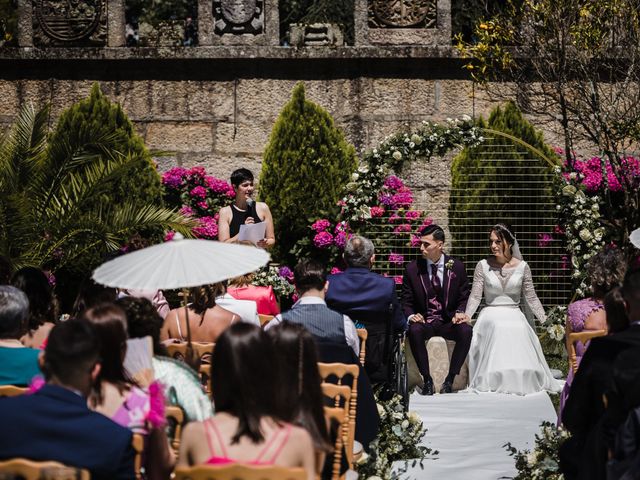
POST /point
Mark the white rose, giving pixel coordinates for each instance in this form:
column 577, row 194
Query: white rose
column 598, row 233
column 414, row 417
column 569, row 190
column 466, row 118
column 585, row 234
column 405, row 424
column 397, row 155
column 417, row 139
column 573, row 175
column 381, row 412
column 531, row 458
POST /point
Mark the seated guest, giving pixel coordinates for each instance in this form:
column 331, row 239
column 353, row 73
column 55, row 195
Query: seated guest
column 369, row 299
column 244, row 210
column 18, row 364
column 584, row 454
column 312, row 312
column 302, row 400
column 156, row 297
column 181, row 384
column 605, row 270
column 119, row 398
column 55, row 423
column 207, row 319
column 247, row 310
column 91, row 294
column 246, row 427
column 615, row 311
column 42, row 304
column 264, row 297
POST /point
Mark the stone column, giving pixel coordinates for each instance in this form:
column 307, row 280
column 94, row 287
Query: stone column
column 272, row 22
column 205, row 22
column 444, row 22
column 115, row 23
column 25, row 24
column 360, row 21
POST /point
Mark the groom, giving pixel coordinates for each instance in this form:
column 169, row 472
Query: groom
column 435, row 290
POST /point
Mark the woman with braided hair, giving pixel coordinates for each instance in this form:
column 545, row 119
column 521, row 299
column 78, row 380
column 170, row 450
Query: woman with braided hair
column 505, row 354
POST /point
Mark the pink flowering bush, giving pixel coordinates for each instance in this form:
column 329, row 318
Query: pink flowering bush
column 197, row 194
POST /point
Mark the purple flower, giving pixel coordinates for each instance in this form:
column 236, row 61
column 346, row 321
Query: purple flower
column 198, row 192
column 51, row 278
column 173, row 178
column 544, row 239
column 396, row 258
column 285, row 272
column 321, row 225
column 323, row 240
column 340, row 239
column 393, row 183
column 207, row 228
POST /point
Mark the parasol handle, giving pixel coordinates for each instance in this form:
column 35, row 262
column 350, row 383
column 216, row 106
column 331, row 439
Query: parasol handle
column 185, row 299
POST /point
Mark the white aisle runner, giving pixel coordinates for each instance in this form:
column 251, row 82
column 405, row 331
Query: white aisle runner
column 469, row 430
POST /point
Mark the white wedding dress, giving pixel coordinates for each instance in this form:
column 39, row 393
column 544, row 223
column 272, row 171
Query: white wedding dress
column 505, row 354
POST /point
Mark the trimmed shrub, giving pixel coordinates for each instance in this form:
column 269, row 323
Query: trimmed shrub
column 307, row 163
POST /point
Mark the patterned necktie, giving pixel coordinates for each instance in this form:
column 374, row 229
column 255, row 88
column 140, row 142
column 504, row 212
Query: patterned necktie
column 435, row 281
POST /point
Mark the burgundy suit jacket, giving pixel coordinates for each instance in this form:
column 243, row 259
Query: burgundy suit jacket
column 455, row 286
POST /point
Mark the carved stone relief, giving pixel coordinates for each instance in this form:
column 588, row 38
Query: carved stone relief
column 64, row 22
column 238, row 16
column 402, row 13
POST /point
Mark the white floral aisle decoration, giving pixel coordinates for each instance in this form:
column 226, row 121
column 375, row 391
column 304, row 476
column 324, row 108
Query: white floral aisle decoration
column 541, row 463
column 552, row 331
column 399, row 439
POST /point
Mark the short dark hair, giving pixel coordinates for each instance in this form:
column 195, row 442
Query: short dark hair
column 309, row 274
column 72, row 349
column 241, row 175
column 243, row 378
column 91, row 294
column 143, row 320
column 616, row 313
column 42, row 304
column 433, row 229
column 606, row 270
column 358, row 251
column 14, row 312
column 631, row 291
column 301, row 398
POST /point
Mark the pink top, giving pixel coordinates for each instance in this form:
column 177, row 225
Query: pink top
column 141, row 409
column 263, row 296
column 213, row 434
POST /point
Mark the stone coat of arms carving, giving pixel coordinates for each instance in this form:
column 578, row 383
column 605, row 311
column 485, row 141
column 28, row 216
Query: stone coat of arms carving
column 238, row 16
column 402, row 13
column 68, row 21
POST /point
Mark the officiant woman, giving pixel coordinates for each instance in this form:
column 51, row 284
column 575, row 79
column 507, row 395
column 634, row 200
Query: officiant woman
column 244, row 210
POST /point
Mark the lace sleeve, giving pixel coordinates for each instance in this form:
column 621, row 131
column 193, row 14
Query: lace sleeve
column 529, row 295
column 476, row 290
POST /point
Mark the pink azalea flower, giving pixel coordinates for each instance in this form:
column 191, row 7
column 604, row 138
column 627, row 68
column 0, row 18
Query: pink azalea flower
column 169, row 235
column 203, row 204
column 427, row 221
column 544, row 239
column 405, row 227
column 186, row 210
column 412, row 214
column 197, row 172
column 415, row 240
column 393, row 183
column 340, row 239
column 398, row 279
column 396, row 258
column 198, row 192
column 207, row 228
column 323, row 240
column 376, row 211
column 335, row 271
column 321, row 225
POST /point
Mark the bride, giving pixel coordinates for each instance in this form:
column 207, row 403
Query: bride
column 505, row 354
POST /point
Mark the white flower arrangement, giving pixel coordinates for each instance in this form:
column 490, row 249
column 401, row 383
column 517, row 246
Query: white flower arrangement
column 553, row 330
column 541, row 463
column 268, row 276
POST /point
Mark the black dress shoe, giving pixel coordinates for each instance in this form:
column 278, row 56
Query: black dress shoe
column 447, row 387
column 427, row 388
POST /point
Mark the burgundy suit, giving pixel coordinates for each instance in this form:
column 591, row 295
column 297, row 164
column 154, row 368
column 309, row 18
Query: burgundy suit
column 418, row 294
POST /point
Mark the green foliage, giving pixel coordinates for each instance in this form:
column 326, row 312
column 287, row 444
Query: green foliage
column 481, row 192
column 307, row 163
column 339, row 12
column 543, row 462
column 466, row 13
column 60, row 201
column 158, row 11
column 8, row 22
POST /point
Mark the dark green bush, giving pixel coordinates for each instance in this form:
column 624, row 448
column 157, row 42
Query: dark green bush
column 307, row 163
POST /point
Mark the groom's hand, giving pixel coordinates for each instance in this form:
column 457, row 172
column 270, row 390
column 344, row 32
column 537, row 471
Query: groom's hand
column 416, row 318
column 461, row 317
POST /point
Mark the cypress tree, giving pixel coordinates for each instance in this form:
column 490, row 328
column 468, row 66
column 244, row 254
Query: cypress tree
column 495, row 182
column 307, row 163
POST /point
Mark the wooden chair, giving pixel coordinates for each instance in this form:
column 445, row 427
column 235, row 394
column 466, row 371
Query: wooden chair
column 175, row 418
column 12, row 390
column 337, row 416
column 340, row 396
column 264, row 319
column 239, row 472
column 362, row 335
column 571, row 338
column 32, row 470
column 202, row 350
column 340, row 371
column 137, row 442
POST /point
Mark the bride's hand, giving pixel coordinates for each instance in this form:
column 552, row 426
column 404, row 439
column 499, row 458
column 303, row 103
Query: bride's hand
column 461, row 317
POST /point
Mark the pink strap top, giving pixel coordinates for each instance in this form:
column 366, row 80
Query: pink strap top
column 212, row 431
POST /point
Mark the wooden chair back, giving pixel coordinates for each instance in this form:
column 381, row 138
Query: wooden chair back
column 239, row 472
column 32, row 470
column 341, row 371
column 137, row 442
column 12, row 390
column 264, row 319
column 337, row 416
column 202, row 350
column 571, row 338
column 362, row 335
column 175, row 418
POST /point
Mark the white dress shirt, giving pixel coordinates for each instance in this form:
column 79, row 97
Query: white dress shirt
column 350, row 333
column 440, row 264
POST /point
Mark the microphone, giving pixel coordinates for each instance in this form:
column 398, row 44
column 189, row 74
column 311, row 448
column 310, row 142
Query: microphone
column 251, row 205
